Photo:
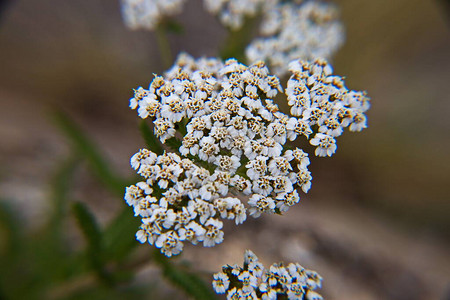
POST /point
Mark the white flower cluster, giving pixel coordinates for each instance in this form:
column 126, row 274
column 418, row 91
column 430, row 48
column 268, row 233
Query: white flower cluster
column 232, row 12
column 253, row 281
column 146, row 14
column 179, row 201
column 221, row 116
column 323, row 101
column 232, row 124
column 305, row 30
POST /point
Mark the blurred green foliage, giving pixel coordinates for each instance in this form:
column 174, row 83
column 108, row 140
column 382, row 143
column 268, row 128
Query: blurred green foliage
column 40, row 263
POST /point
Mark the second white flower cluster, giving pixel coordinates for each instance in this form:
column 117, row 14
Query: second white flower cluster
column 289, row 29
column 253, row 281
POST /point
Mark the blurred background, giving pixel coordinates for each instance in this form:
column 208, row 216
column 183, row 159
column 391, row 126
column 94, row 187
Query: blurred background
column 376, row 223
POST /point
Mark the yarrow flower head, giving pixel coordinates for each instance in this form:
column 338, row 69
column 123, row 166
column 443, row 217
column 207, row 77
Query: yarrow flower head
column 179, row 201
column 296, row 30
column 233, row 141
column 321, row 101
column 291, row 281
column 146, row 14
column 232, row 12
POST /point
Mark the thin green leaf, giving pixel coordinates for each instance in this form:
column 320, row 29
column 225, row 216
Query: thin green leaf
column 9, row 222
column 93, row 236
column 50, row 248
column 119, row 236
column 188, row 281
column 88, row 150
column 60, row 184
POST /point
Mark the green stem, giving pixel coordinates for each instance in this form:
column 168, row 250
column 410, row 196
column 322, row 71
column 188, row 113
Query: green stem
column 236, row 41
column 163, row 45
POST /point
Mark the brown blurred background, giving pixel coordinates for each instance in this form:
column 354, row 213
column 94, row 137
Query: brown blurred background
column 376, row 223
